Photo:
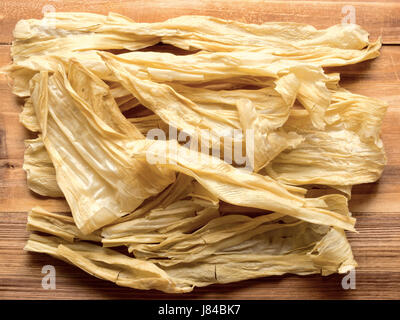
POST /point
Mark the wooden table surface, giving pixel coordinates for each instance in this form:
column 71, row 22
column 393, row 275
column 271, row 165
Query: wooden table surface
column 376, row 206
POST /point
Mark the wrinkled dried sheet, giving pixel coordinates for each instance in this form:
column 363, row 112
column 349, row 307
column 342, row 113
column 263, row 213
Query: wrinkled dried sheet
column 185, row 219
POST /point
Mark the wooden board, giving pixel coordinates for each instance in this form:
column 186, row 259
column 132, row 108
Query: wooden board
column 376, row 206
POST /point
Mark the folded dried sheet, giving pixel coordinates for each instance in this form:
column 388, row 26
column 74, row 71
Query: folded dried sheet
column 347, row 111
column 199, row 67
column 62, row 226
column 251, row 247
column 349, row 151
column 70, row 31
column 188, row 218
column 238, row 186
column 86, row 136
column 271, row 112
column 40, row 172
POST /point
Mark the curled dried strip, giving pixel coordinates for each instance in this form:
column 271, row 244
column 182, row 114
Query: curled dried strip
column 188, row 219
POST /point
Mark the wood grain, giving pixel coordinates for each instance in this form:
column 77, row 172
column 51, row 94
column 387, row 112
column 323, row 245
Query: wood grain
column 376, row 206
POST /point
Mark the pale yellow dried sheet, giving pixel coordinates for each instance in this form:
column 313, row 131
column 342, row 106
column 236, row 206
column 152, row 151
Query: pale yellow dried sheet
column 97, row 178
column 238, row 186
column 40, row 172
column 249, row 248
column 68, row 31
column 170, row 205
column 349, row 151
